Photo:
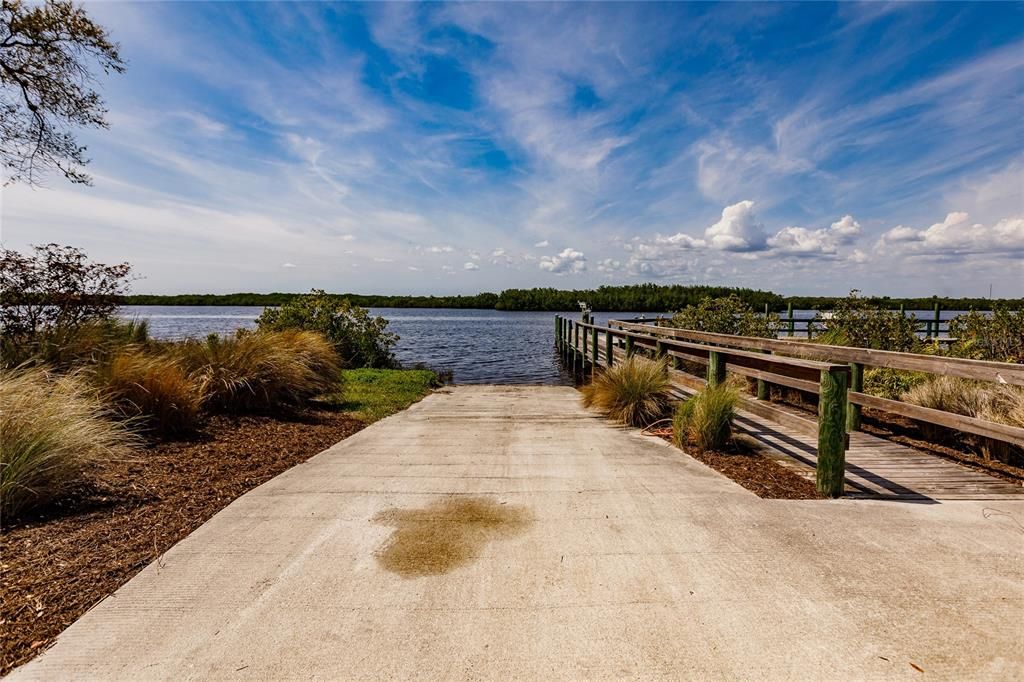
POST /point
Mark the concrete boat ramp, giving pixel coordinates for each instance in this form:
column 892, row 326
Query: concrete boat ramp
column 504, row 532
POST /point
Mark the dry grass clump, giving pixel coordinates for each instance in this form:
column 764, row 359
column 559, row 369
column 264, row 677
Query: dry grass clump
column 705, row 420
column 155, row 389
column 254, row 372
column 636, row 391
column 992, row 402
column 53, row 431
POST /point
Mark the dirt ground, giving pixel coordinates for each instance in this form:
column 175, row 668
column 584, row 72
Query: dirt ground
column 60, row 563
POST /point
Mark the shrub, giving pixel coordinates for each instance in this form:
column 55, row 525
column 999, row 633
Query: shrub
column 53, row 432
column 360, row 339
column 886, row 382
column 854, row 321
column 997, row 337
column 728, row 315
column 258, row 371
column 636, row 391
column 705, row 420
column 155, row 389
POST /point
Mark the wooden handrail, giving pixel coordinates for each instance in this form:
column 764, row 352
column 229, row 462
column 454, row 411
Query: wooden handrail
column 983, row 370
column 833, row 379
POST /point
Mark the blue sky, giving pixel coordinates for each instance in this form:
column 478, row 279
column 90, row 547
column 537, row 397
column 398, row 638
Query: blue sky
column 400, row 148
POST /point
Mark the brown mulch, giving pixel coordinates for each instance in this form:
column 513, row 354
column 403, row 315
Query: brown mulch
column 60, row 563
column 756, row 472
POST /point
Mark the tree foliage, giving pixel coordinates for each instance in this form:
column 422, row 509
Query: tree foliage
column 360, row 339
column 46, row 52
column 999, row 336
column 726, row 315
column 856, row 321
column 56, row 287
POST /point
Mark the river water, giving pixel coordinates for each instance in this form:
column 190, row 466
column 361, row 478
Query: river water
column 477, row 346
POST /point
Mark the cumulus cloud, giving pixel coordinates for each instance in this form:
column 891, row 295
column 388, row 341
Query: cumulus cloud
column 956, row 234
column 800, row 241
column 347, row 237
column 470, row 265
column 568, row 261
column 738, row 229
column 541, row 244
column 497, row 253
column 440, row 249
column 289, row 265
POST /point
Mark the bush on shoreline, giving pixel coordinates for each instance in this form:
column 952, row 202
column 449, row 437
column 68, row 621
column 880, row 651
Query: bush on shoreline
column 728, row 315
column 360, row 339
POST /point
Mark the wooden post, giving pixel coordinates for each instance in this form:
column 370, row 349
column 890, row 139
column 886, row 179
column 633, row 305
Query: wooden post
column 568, row 341
column 575, row 345
column 558, row 332
column 831, row 432
column 659, row 350
column 593, row 348
column 762, row 385
column 789, row 314
column 856, row 384
column 584, row 349
column 716, row 368
column 629, row 347
column 609, row 347
column 938, row 318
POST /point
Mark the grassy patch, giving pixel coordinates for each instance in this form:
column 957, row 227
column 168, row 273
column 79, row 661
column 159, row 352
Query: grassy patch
column 635, row 392
column 372, row 394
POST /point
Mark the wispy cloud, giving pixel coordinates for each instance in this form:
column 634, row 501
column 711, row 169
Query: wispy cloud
column 383, row 146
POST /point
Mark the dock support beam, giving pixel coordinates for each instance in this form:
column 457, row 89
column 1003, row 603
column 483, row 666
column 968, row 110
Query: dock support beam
column 716, row 369
column 609, row 348
column 832, row 436
column 629, row 347
column 762, row 385
column 593, row 349
column 857, row 385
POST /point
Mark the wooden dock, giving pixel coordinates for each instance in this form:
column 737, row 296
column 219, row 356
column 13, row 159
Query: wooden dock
column 874, row 468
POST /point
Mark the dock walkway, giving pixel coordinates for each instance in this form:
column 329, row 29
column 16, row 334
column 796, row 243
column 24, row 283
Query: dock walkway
column 583, row 551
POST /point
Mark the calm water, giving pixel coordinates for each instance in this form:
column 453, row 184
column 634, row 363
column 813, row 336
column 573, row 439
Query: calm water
column 478, row 346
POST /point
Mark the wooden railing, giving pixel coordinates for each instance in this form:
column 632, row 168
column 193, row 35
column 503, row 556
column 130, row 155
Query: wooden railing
column 583, row 344
column 858, row 359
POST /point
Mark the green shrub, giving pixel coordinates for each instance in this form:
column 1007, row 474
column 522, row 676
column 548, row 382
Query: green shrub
column 705, row 420
column 997, row 337
column 890, row 383
column 153, row 389
column 636, row 391
column 254, row 372
column 54, row 432
column 728, row 315
column 360, row 339
column 856, row 322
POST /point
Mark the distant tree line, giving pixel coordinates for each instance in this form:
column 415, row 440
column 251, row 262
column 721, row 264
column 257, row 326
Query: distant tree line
column 631, row 298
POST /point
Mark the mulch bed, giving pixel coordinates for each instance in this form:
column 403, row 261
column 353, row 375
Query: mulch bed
column 60, row 563
column 755, row 471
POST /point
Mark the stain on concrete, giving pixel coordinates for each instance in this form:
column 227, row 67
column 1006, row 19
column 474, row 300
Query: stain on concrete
column 447, row 534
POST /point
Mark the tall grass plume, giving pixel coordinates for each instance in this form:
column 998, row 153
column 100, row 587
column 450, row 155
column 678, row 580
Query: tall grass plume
column 705, row 420
column 636, row 391
column 54, row 432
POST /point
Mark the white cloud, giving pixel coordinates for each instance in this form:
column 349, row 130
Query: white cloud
column 440, row 249
column 738, row 229
column 568, row 261
column 800, row 241
column 957, row 235
column 383, row 260
column 470, row 265
column 413, row 268
column 542, row 244
column 289, row 265
column 347, row 237
column 497, row 253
